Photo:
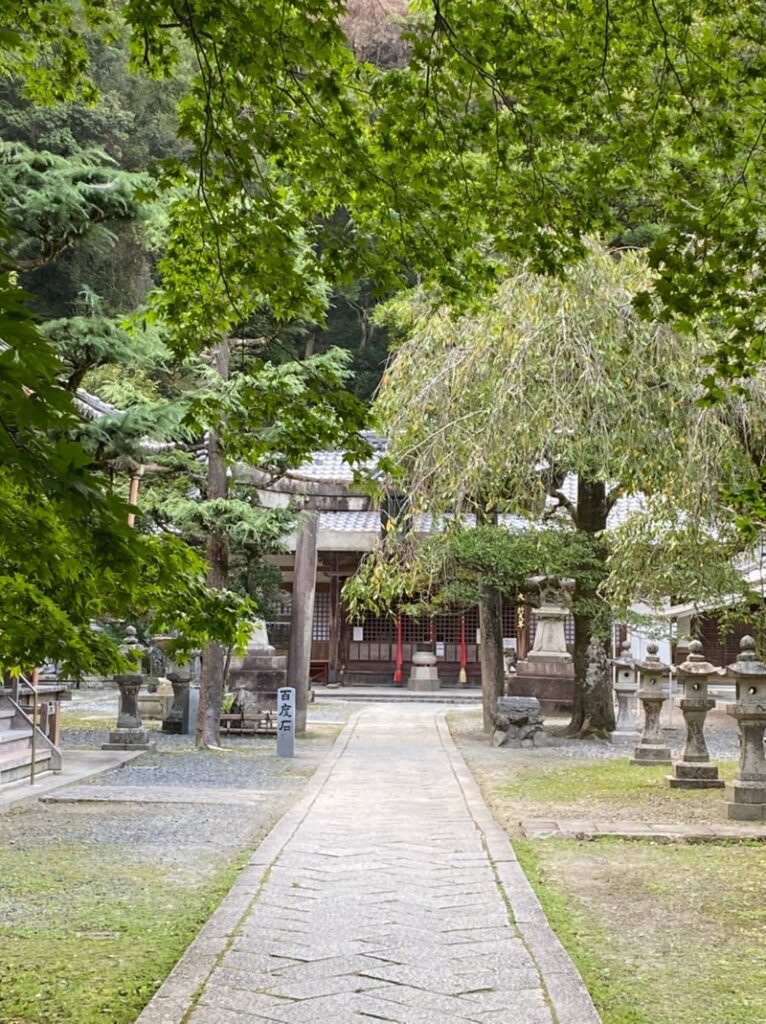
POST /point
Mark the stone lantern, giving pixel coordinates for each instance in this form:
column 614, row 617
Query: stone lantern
column 653, row 691
column 694, row 770
column 625, row 687
column 129, row 734
column 746, row 796
column 180, row 676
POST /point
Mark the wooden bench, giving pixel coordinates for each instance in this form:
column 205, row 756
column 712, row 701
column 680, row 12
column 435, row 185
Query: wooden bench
column 262, row 723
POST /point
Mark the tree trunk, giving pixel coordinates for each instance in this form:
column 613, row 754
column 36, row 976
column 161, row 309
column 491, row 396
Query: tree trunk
column 593, row 707
column 214, row 655
column 492, row 661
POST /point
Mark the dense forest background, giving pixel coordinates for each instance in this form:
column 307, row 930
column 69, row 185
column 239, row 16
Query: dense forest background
column 73, row 177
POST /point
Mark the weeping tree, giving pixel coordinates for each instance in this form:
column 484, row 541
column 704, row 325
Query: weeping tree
column 556, row 398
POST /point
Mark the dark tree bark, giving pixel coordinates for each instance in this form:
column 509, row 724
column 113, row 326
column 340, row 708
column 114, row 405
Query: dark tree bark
column 593, row 707
column 214, row 656
column 491, row 652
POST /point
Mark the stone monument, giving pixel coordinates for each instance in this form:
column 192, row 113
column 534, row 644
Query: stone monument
column 652, row 692
column 746, row 796
column 261, row 671
column 130, row 733
column 424, row 674
column 625, row 687
column 694, row 770
column 548, row 672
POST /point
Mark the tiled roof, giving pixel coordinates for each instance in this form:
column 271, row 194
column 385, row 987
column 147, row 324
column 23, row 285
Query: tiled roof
column 332, row 467
column 369, row 521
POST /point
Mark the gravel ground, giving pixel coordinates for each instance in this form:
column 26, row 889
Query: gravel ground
column 188, row 836
column 721, row 735
column 89, row 716
column 514, row 781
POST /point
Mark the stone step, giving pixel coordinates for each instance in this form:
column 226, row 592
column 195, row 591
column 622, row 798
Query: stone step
column 6, row 717
column 15, row 741
column 14, row 766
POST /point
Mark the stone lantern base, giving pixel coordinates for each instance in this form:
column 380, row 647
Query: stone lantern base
column 687, row 775
column 651, row 753
column 129, row 739
column 746, row 801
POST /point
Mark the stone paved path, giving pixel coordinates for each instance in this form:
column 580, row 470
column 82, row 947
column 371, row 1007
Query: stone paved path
column 388, row 893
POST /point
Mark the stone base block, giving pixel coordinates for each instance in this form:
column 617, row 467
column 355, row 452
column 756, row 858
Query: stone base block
column 550, row 681
column 648, row 753
column 624, row 737
column 129, row 739
column 746, row 801
column 694, row 775
column 150, row 747
column 745, row 812
column 423, row 685
column 676, row 781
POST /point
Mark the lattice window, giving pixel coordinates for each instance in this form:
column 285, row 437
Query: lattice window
column 416, row 631
column 321, row 629
column 509, row 620
column 447, row 629
column 378, row 628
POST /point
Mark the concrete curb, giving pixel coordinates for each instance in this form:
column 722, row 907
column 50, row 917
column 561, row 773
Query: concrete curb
column 566, row 991
column 174, row 1000
column 78, row 766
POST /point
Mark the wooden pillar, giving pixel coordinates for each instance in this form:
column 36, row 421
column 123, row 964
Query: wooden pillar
column 344, row 647
column 332, row 668
column 522, row 634
column 302, row 616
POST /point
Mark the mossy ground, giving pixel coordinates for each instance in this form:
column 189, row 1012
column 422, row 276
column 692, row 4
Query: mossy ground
column 90, row 933
column 661, row 933
column 99, row 901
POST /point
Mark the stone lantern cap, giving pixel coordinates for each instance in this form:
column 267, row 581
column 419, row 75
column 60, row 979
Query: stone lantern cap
column 132, row 650
column 651, row 666
column 695, row 674
column 750, row 674
column 748, row 662
column 625, row 659
column 696, row 665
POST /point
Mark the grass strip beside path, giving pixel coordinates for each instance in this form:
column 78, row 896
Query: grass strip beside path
column 661, row 933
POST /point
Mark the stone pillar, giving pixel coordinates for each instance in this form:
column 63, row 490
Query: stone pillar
column 625, row 687
column 180, row 681
column 652, row 692
column 746, row 796
column 694, row 770
column 302, row 616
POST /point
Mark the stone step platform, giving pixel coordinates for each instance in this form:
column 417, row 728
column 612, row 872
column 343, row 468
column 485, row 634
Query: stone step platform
column 15, row 764
column 392, row 694
column 158, row 795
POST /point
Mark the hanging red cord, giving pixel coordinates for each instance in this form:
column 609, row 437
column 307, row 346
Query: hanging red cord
column 399, row 651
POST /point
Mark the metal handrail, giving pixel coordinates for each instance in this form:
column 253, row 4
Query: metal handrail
column 21, row 678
